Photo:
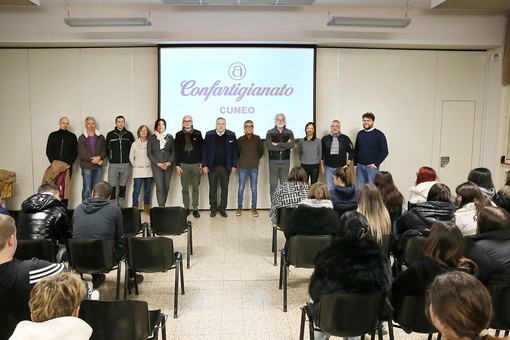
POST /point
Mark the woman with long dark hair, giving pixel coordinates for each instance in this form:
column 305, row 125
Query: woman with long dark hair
column 469, row 202
column 392, row 198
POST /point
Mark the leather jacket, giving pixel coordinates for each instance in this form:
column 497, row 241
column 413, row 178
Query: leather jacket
column 42, row 216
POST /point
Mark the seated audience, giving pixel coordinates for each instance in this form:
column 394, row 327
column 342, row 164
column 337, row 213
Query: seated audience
column 491, row 247
column 289, row 193
column 426, row 177
column 98, row 218
column 54, row 306
column 502, row 198
column 43, row 216
column 392, row 198
column 353, row 263
column 460, row 307
column 17, row 279
column 443, row 253
column 372, row 207
column 482, row 177
column 421, row 216
column 314, row 215
column 469, row 202
column 344, row 192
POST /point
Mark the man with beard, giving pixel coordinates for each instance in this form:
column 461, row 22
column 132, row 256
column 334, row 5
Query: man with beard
column 279, row 142
column 370, row 150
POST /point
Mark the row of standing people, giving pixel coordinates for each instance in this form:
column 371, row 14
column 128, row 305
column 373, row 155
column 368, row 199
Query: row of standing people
column 153, row 157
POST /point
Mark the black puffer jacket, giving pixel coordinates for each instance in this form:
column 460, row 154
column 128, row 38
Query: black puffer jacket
column 491, row 252
column 422, row 216
column 42, row 216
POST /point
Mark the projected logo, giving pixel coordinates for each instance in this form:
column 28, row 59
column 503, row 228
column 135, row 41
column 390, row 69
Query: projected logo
column 237, row 71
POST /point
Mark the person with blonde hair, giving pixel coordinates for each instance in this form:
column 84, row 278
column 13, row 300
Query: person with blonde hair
column 54, row 307
column 371, row 205
column 460, row 307
column 314, row 215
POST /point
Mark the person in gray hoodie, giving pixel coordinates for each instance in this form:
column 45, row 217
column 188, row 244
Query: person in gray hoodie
column 97, row 218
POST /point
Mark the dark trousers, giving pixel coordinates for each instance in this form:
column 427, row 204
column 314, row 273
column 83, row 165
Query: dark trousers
column 218, row 174
column 312, row 172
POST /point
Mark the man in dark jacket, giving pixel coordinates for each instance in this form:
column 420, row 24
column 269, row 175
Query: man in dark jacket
column 118, row 145
column 17, row 279
column 219, row 160
column 62, row 145
column 43, row 216
column 337, row 152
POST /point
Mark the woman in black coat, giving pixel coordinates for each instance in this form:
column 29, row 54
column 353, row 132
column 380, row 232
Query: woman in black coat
column 443, row 253
column 353, row 263
column 491, row 247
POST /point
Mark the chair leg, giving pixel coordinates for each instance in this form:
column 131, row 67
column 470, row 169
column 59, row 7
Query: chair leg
column 163, row 328
column 430, row 337
column 182, row 275
column 302, row 327
column 275, row 244
column 188, row 246
column 178, row 265
column 126, row 281
column 379, row 331
column 191, row 237
column 285, row 278
column 281, row 269
column 119, row 269
column 439, row 336
column 390, row 330
column 507, row 332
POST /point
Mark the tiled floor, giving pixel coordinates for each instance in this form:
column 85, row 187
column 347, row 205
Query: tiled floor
column 232, row 286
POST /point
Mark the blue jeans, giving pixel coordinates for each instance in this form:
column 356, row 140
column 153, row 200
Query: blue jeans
column 365, row 174
column 329, row 177
column 243, row 175
column 90, row 178
column 147, row 188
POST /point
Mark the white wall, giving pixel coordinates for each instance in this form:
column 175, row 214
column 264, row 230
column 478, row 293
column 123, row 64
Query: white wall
column 403, row 88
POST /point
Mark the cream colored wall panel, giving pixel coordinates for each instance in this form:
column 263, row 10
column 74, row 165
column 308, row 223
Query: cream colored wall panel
column 409, row 123
column 54, row 92
column 16, row 150
column 106, row 91
column 326, row 89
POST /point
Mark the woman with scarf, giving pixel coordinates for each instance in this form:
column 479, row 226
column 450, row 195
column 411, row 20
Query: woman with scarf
column 142, row 173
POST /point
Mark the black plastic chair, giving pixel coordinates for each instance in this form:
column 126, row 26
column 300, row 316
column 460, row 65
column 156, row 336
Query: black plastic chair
column 41, row 249
column 341, row 209
column 387, row 243
column 300, row 252
column 122, row 319
column 14, row 214
column 500, row 301
column 413, row 250
column 93, row 256
column 152, row 255
column 283, row 215
column 132, row 222
column 334, row 308
column 172, row 221
column 411, row 317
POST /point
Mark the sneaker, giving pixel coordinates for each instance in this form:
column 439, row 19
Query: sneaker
column 223, row 213
column 95, row 295
column 212, row 214
column 139, row 280
column 196, row 214
column 188, row 212
column 239, row 211
column 98, row 280
column 89, row 288
column 254, row 212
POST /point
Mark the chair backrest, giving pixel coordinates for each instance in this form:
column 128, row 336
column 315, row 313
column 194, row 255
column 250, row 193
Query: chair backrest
column 334, row 309
column 91, row 256
column 41, row 249
column 131, row 221
column 467, row 243
column 14, row 214
column 283, row 216
column 116, row 319
column 411, row 316
column 169, row 220
column 500, row 301
column 343, row 208
column 413, row 249
column 150, row 254
column 301, row 249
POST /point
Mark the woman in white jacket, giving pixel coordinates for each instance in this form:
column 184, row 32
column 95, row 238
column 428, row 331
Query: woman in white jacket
column 469, row 202
column 425, row 178
column 142, row 173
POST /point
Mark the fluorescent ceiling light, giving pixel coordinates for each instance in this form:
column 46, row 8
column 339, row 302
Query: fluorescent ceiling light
column 241, row 2
column 107, row 22
column 369, row 22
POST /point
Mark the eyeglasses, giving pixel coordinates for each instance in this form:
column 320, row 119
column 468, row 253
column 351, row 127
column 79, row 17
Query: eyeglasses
column 248, row 126
column 187, row 121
